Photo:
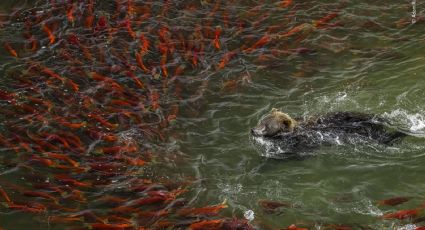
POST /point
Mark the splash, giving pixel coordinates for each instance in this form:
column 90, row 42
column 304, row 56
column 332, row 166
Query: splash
column 413, row 123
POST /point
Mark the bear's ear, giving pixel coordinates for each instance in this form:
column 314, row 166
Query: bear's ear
column 274, row 110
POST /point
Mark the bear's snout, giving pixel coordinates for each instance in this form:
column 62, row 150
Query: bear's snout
column 257, row 132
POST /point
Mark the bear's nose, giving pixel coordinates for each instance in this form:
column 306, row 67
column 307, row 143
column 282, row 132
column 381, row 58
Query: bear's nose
column 253, row 132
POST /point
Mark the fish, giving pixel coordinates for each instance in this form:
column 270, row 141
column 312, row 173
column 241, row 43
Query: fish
column 111, row 199
column 72, row 125
column 77, row 195
column 208, row 210
column 64, row 157
column 270, row 206
column 31, row 208
column 260, row 43
column 64, row 219
column 44, row 195
column 402, row 214
column 294, row 227
column 285, row 3
column 139, row 61
column 206, row 224
column 106, row 226
column 116, row 218
column 146, row 201
column 49, row 33
column 138, row 82
column 216, row 40
column 67, row 180
column 127, row 24
column 118, row 149
column 70, row 14
column 295, row 30
column 5, row 196
column 226, row 59
column 101, row 24
column 320, row 23
column 394, row 201
column 73, row 39
column 102, row 121
column 10, row 49
column 52, row 137
column 144, row 44
column 154, row 97
column 51, row 73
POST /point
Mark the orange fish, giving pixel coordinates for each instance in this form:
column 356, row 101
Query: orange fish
column 64, row 157
column 130, row 30
column 49, row 33
column 89, row 21
column 217, row 37
column 57, row 138
column 109, row 137
column 144, row 44
column 271, row 206
column 63, row 219
column 111, row 199
column 116, row 218
column 294, row 227
column 67, row 180
column 206, row 224
column 140, row 62
column 135, row 79
column 41, row 194
column 134, row 161
column 101, row 23
column 154, row 97
column 46, row 162
column 294, row 30
column 402, row 214
column 260, row 43
column 73, row 125
column 10, row 50
column 226, row 58
column 70, row 14
column 209, row 210
column 146, row 201
column 77, row 195
column 104, row 226
column 394, row 201
column 321, row 22
column 285, row 3
column 5, row 196
column 32, row 208
column 52, row 74
column 119, row 149
column 102, row 121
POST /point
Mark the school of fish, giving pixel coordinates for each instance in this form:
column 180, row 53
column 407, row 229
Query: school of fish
column 93, row 84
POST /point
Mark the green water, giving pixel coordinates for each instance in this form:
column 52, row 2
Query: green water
column 380, row 70
column 374, row 62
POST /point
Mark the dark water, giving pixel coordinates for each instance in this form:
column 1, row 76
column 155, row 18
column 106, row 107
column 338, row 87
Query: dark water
column 217, row 67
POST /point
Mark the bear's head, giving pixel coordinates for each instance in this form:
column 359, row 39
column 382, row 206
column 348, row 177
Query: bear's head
column 273, row 123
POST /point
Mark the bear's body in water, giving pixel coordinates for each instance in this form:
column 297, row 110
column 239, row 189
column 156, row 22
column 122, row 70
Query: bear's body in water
column 294, row 135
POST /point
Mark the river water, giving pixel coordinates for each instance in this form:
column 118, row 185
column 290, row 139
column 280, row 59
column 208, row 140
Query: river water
column 368, row 58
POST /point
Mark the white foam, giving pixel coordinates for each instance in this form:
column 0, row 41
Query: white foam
column 249, row 215
column 269, row 148
column 413, row 122
column 407, row 227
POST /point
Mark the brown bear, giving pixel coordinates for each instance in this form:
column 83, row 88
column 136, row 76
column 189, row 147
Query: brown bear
column 332, row 128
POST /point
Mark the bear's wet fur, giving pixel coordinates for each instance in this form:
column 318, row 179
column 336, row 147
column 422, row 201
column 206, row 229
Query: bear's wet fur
column 332, row 128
